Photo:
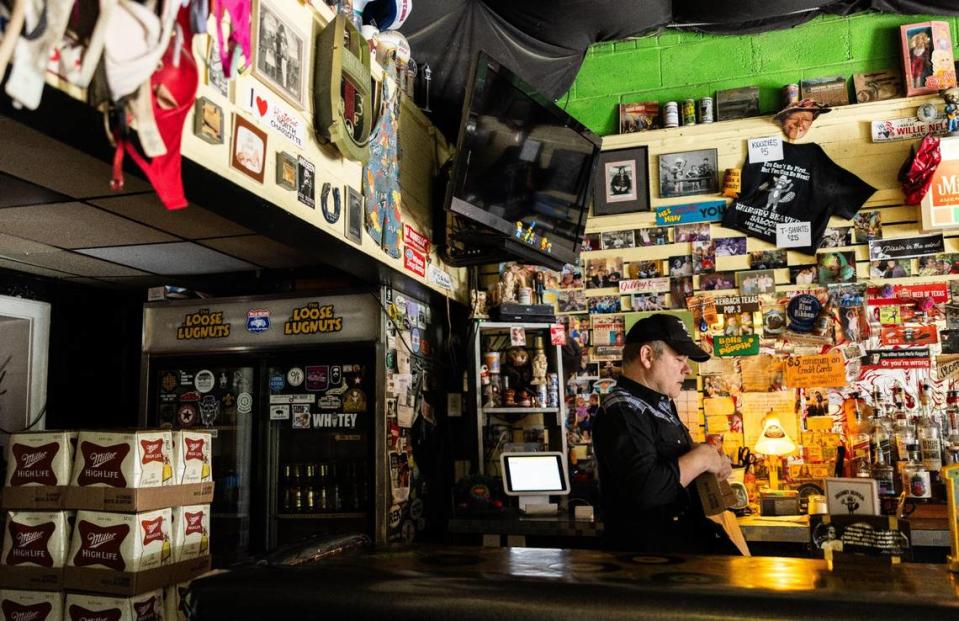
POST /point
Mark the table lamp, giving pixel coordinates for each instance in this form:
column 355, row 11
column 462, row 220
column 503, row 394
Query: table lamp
column 774, row 442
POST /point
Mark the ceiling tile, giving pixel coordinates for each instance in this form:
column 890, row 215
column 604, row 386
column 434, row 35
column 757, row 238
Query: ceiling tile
column 30, row 155
column 172, row 259
column 77, row 264
column 15, row 192
column 10, row 245
column 75, row 225
column 262, row 251
column 190, row 223
column 31, row 269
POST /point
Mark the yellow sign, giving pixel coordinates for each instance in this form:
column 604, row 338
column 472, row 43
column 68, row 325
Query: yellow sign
column 313, row 319
column 203, row 324
column 827, row 370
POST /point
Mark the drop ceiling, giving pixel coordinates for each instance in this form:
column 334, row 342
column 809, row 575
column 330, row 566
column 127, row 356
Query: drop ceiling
column 58, row 218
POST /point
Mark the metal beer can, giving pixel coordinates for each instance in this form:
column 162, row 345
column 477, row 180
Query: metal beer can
column 689, row 112
column 671, row 114
column 791, row 94
column 541, row 395
column 491, row 358
column 706, row 110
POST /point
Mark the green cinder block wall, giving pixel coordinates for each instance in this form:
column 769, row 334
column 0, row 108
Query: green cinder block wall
column 672, row 65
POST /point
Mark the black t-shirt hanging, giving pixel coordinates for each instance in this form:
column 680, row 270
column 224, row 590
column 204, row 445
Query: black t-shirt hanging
column 804, row 186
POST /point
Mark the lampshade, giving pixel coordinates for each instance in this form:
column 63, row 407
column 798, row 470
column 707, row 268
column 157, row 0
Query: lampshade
column 774, row 440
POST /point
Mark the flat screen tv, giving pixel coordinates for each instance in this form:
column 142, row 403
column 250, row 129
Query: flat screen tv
column 521, row 164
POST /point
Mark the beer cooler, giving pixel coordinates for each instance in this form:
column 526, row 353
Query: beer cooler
column 289, row 388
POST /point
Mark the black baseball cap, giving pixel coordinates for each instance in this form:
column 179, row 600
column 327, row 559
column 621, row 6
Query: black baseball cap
column 669, row 329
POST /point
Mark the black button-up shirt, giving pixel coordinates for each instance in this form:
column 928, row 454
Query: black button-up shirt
column 638, row 439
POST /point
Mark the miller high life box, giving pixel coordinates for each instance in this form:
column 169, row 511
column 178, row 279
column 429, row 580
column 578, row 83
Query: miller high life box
column 146, row 607
column 122, row 541
column 191, row 456
column 31, row 605
column 133, row 459
column 42, row 458
column 191, row 532
column 36, row 539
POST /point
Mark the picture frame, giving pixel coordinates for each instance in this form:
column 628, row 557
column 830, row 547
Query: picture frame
column 281, row 53
column 831, row 91
column 286, row 171
column 852, row 496
column 737, row 103
column 354, row 214
column 688, row 173
column 248, row 149
column 306, row 182
column 208, row 121
column 621, row 182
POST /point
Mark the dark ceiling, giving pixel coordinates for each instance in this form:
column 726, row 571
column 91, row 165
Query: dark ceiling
column 544, row 41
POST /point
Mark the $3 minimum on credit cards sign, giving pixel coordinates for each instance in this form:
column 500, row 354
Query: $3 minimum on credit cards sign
column 826, row 370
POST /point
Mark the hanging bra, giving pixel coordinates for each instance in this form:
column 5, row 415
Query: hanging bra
column 173, row 92
column 240, row 12
column 12, row 34
column 44, row 27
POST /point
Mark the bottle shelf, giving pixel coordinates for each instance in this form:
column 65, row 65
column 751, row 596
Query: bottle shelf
column 519, row 410
column 321, row 516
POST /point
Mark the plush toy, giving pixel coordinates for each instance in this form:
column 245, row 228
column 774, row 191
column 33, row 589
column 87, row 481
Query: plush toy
column 519, row 372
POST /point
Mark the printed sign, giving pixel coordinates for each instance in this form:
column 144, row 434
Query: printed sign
column 825, row 370
column 290, row 399
column 708, row 211
column 279, row 412
column 439, row 277
column 416, row 240
column 909, row 128
column 313, row 319
column 911, row 335
column 257, row 320
column 897, row 359
column 732, row 304
column 334, row 419
column 724, row 346
column 793, row 234
column 947, row 367
column 317, row 377
column 905, row 247
column 644, row 285
column 557, row 334
column 203, row 324
column 766, row 149
column 940, row 202
column 414, row 261
column 271, row 111
column 938, row 292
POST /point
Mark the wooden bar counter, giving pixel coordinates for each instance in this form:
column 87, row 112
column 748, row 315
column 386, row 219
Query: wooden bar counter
column 427, row 582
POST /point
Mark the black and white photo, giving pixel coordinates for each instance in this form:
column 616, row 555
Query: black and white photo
column 354, row 214
column 688, row 173
column 617, row 240
column 281, row 53
column 621, row 182
column 306, row 182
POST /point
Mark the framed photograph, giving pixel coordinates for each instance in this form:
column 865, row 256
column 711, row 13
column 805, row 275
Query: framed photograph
column 248, row 152
column 214, row 69
column 852, row 496
column 281, row 53
column 637, row 117
column 831, row 91
column 286, row 171
column 354, row 214
column 756, row 282
column 306, row 182
column 208, row 121
column 687, row 173
column 737, row 103
column 621, row 182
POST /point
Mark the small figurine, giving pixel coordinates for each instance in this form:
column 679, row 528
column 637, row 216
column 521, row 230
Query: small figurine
column 529, row 236
column 519, row 229
column 539, row 364
column 951, row 97
column 920, row 58
column 796, row 119
column 427, row 77
column 509, row 401
column 478, row 300
column 540, row 287
column 508, row 292
column 517, row 371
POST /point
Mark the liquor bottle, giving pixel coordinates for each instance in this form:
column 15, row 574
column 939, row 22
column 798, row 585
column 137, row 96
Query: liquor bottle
column 858, row 441
column 915, row 478
column 930, row 444
column 879, row 432
column 335, row 499
column 883, row 473
column 298, row 495
column 904, row 435
column 286, row 489
column 323, row 487
column 951, row 443
column 309, row 487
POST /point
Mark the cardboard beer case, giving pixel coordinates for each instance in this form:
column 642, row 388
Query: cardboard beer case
column 192, row 456
column 19, row 605
column 146, row 607
column 128, row 459
column 35, row 545
column 191, row 532
column 122, row 541
column 39, row 465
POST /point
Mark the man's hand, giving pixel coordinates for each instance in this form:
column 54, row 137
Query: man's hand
column 703, row 458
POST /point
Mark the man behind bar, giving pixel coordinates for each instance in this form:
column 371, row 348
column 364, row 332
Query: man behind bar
column 646, row 458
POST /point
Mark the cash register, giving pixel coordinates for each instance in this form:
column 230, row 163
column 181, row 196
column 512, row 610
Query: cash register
column 534, row 477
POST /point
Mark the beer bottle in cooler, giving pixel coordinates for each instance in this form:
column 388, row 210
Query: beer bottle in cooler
column 298, row 488
column 286, row 489
column 309, row 486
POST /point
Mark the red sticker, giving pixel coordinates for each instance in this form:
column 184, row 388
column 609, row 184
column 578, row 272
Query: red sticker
column 416, row 240
column 557, row 334
column 414, row 262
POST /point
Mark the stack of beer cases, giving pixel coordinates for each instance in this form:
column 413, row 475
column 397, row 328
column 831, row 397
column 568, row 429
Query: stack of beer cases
column 104, row 524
